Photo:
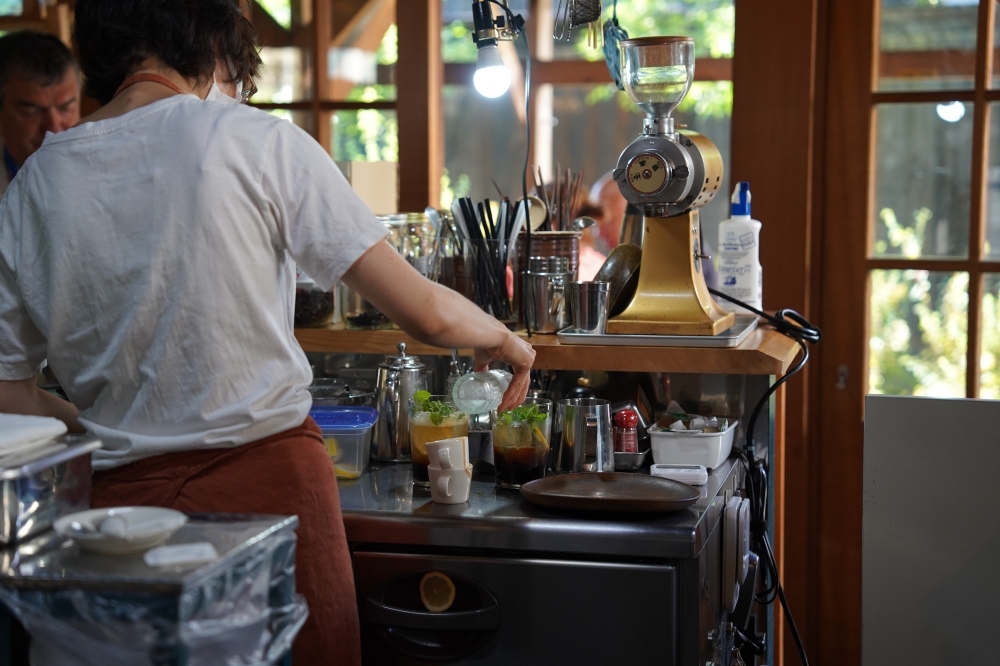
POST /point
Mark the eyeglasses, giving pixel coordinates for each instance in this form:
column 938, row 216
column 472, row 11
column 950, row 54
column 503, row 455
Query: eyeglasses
column 248, row 93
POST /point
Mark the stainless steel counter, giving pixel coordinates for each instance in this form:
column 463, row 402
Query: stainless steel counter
column 383, row 507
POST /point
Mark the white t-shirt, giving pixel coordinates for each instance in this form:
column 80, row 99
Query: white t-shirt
column 151, row 259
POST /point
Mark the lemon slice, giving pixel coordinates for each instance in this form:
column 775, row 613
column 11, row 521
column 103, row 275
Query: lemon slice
column 437, row 592
column 331, row 445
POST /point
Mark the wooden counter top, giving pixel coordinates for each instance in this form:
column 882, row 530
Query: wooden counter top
column 764, row 352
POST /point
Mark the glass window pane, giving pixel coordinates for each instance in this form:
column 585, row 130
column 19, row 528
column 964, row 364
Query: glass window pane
column 577, row 110
column 287, row 52
column 922, row 180
column 361, row 63
column 278, row 10
column 917, row 342
column 989, row 358
column 303, row 119
column 927, row 44
column 368, row 135
column 456, row 28
column 285, row 76
column 991, row 247
column 483, row 143
column 11, row 7
column 710, row 22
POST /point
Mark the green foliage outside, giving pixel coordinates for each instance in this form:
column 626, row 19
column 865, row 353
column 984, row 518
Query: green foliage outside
column 456, row 42
column 919, row 323
column 280, row 11
column 369, row 134
column 451, row 191
column 711, row 23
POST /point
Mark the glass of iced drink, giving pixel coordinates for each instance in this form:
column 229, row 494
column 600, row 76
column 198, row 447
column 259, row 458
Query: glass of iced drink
column 432, row 418
column 521, row 442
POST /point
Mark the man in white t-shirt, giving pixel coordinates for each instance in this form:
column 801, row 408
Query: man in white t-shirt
column 39, row 93
column 149, row 254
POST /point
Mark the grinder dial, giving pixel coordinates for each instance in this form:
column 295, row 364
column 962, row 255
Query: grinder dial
column 647, row 173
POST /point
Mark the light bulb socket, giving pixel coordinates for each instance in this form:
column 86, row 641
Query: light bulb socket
column 485, row 32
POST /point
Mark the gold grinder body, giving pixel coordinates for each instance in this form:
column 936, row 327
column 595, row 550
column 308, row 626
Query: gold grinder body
column 669, row 176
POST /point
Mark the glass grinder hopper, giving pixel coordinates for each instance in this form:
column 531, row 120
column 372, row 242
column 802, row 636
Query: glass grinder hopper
column 669, row 174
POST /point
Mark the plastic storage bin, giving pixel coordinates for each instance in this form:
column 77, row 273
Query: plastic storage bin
column 686, row 447
column 347, row 433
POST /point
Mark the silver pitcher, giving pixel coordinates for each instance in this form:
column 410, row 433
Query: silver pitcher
column 399, row 377
column 584, row 436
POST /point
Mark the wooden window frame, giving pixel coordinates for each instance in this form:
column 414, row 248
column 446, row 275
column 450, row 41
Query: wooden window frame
column 419, row 75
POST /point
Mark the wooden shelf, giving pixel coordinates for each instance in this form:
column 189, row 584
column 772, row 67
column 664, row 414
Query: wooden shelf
column 764, row 352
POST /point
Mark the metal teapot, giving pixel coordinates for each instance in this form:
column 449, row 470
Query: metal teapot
column 399, row 377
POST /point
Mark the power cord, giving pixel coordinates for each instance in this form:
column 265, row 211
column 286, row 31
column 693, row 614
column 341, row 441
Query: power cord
column 517, row 25
column 801, row 330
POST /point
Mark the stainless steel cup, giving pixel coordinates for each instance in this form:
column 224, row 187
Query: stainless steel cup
column 583, row 432
column 545, row 293
column 589, row 306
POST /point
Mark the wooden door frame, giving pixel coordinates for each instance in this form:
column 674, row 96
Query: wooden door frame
column 776, row 145
column 844, row 174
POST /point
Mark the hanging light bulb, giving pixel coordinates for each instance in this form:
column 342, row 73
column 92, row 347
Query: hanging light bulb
column 491, row 78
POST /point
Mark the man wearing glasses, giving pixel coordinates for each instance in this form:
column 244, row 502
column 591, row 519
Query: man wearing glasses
column 39, row 93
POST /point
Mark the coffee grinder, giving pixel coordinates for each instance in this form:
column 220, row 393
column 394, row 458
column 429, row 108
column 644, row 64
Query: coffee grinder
column 668, row 174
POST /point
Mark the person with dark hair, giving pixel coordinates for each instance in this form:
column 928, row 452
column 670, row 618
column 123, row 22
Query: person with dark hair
column 39, row 93
column 149, row 253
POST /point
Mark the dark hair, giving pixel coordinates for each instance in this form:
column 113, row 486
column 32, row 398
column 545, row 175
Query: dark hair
column 36, row 56
column 114, row 36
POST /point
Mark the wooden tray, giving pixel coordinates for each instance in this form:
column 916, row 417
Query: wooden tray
column 610, row 491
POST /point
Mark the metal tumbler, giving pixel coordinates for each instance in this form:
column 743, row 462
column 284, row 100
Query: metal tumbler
column 584, row 436
column 545, row 285
column 589, row 306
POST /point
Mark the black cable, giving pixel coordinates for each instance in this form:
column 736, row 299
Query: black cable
column 800, row 329
column 517, row 25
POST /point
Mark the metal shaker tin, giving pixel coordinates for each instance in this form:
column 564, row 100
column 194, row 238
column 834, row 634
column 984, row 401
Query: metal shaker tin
column 44, row 484
column 399, row 377
column 546, row 283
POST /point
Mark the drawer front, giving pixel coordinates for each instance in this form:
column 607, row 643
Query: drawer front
column 550, row 612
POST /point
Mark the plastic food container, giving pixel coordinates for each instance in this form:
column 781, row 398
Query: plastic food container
column 686, row 447
column 347, row 433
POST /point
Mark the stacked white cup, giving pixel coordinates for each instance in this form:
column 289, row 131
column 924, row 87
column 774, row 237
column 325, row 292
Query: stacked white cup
column 449, row 470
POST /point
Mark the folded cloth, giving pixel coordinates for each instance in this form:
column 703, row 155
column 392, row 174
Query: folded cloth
column 20, row 433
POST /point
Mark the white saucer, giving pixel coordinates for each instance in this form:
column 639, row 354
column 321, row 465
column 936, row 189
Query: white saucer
column 145, row 527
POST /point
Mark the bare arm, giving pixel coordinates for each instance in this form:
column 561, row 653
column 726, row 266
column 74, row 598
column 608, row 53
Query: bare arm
column 25, row 397
column 439, row 316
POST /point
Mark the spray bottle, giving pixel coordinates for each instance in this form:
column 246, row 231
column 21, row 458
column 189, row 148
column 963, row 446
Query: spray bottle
column 740, row 274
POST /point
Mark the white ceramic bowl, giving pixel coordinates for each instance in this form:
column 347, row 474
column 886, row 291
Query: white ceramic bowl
column 684, row 447
column 144, row 527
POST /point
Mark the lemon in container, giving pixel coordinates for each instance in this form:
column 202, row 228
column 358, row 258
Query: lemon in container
column 347, row 435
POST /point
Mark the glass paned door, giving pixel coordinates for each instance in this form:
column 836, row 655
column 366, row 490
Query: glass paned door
column 934, row 223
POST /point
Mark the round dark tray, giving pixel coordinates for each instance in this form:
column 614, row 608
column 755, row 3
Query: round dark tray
column 610, row 491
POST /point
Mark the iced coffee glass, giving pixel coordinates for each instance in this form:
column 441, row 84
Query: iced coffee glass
column 521, row 442
column 432, row 418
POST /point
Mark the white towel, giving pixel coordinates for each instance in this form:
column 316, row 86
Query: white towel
column 20, row 433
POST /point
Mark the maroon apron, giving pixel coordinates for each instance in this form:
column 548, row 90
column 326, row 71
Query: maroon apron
column 285, row 474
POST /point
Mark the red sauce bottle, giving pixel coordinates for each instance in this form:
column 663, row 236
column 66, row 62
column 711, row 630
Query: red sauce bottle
column 626, row 435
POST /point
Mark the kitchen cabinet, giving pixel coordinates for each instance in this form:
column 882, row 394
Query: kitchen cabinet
column 397, row 532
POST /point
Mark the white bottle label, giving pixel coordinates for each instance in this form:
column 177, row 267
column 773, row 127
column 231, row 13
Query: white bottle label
column 740, row 275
